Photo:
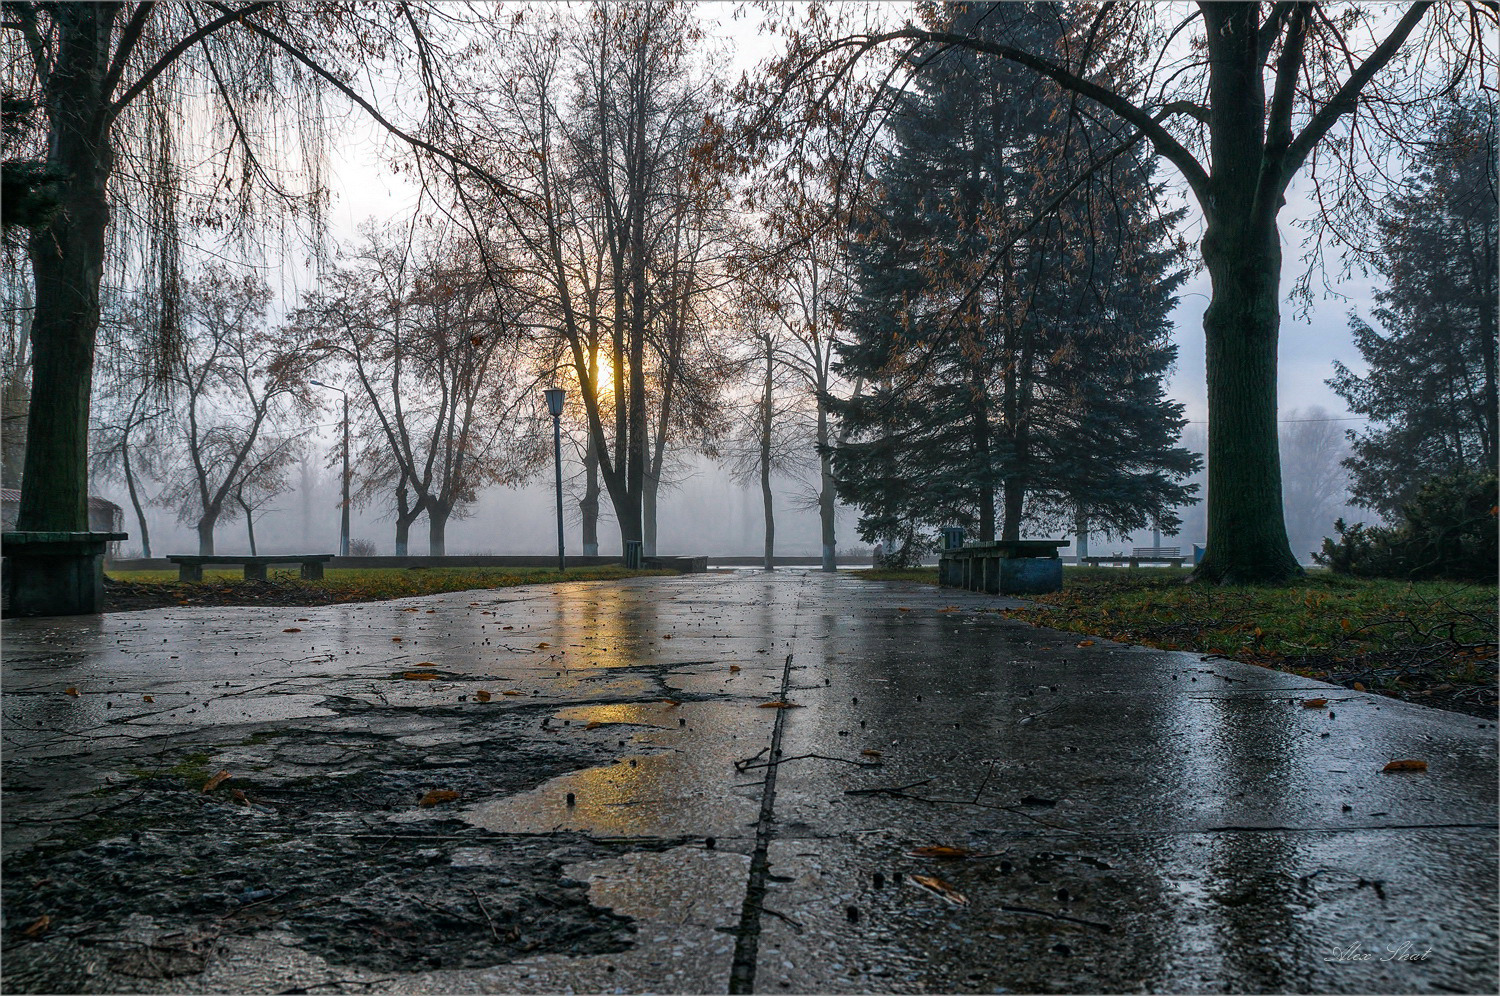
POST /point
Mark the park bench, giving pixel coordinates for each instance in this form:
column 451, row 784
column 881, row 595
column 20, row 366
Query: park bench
column 190, row 568
column 1142, row 555
column 1004, row 567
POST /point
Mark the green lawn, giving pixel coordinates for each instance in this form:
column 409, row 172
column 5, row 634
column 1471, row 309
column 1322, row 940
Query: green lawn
column 223, row 585
column 1424, row 640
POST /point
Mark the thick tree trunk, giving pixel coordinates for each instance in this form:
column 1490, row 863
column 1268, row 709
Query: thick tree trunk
column 437, row 525
column 826, row 493
column 1247, row 540
column 1015, row 504
column 206, row 533
column 67, row 260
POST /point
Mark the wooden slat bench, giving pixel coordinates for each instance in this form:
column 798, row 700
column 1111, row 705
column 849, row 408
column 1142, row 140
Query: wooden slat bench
column 190, row 568
column 1142, row 555
column 1004, row 567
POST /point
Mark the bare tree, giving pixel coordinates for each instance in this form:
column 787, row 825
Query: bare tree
column 240, row 395
column 596, row 118
column 436, row 350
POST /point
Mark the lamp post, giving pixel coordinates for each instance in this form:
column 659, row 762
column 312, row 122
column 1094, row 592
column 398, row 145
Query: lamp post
column 344, row 518
column 555, row 396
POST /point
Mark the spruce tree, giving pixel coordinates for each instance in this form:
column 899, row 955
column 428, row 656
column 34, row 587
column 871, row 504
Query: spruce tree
column 1430, row 392
column 1017, row 363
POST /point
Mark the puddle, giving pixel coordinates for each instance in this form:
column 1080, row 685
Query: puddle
column 688, row 788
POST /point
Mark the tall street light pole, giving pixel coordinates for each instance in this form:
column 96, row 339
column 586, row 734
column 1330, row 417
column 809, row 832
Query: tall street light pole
column 344, row 517
column 555, row 396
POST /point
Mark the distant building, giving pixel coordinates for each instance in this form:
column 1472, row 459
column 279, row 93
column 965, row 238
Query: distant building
column 104, row 515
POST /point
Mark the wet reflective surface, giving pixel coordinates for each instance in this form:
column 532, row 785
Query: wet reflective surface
column 1135, row 820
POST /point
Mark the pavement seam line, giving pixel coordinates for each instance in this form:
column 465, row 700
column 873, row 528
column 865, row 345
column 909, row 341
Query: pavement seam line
column 747, row 935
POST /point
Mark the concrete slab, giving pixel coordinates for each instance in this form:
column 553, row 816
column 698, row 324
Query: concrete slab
column 576, row 787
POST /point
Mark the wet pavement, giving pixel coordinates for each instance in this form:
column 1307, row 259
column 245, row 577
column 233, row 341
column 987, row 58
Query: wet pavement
column 719, row 783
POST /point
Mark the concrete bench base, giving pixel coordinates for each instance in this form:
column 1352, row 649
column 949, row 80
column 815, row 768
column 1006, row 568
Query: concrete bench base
column 55, row 573
column 1004, row 567
column 191, row 568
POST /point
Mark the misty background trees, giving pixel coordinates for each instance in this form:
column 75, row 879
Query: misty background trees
column 941, row 285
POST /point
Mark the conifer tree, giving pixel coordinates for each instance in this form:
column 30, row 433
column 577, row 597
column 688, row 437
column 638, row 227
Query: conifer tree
column 1015, row 364
column 1431, row 388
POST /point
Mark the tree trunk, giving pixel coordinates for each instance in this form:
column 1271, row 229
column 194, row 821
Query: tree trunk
column 206, row 533
column 1081, row 533
column 826, row 492
column 437, row 525
column 135, row 502
column 648, row 513
column 588, row 508
column 1247, row 540
column 766, row 413
column 67, row 260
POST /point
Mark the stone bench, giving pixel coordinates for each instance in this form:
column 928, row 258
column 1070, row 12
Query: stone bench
column 54, row 573
column 1004, row 567
column 190, row 568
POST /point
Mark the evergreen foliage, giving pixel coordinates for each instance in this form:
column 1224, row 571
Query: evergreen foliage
column 1430, row 392
column 1014, row 366
column 1446, row 530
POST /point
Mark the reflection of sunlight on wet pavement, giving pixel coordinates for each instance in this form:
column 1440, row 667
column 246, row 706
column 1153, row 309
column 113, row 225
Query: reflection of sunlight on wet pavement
column 679, row 791
column 635, row 713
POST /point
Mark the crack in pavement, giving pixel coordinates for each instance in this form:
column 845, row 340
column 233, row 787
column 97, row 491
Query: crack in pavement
column 747, row 936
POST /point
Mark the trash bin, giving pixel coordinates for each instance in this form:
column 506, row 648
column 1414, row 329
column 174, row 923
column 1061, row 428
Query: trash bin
column 632, row 555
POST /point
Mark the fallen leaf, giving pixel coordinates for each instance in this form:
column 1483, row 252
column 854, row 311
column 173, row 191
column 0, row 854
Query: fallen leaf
column 437, row 796
column 217, row 780
column 666, row 636
column 410, row 610
column 871, row 752
column 292, row 629
column 902, row 608
column 1346, row 624
column 240, row 797
column 419, row 676
column 950, row 608
column 940, row 851
column 39, row 927
column 1084, row 643
column 1405, row 766
column 939, row 888
column 482, row 695
column 1359, row 686
column 1314, row 703
column 778, row 704
column 543, row 645
column 395, row 639
column 510, row 692
column 733, row 668
column 671, row 702
column 148, row 698
column 593, row 724
column 71, row 690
